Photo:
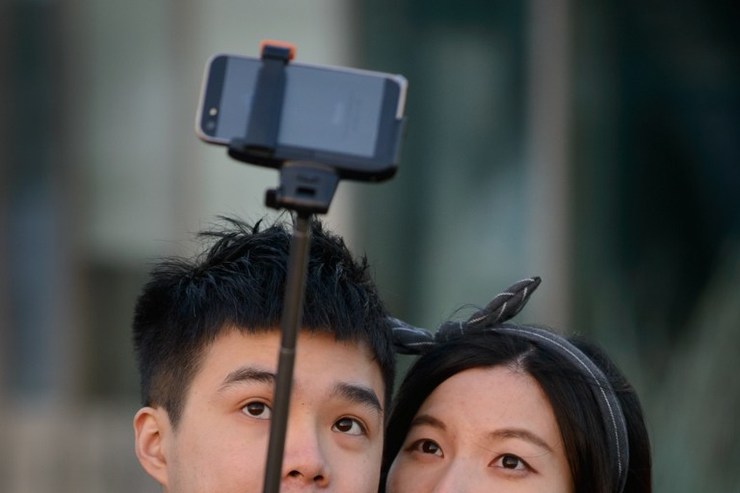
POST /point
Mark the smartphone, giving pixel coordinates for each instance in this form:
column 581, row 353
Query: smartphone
column 347, row 118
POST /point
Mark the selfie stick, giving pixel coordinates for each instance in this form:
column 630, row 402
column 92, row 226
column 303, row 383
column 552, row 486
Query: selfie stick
column 306, row 188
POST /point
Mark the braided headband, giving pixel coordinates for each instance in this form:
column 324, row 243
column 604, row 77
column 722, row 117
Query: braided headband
column 413, row 340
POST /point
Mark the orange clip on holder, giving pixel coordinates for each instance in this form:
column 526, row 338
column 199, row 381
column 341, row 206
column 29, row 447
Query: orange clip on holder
column 259, row 144
column 272, row 44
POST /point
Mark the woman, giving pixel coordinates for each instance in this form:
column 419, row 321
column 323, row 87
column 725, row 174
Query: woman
column 494, row 406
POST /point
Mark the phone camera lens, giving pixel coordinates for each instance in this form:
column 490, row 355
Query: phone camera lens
column 211, row 125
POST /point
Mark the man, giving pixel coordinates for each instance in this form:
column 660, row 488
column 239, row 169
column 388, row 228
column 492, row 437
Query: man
column 206, row 335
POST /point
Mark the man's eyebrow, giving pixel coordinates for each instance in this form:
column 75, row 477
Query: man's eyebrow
column 521, row 434
column 358, row 394
column 247, row 374
column 426, row 419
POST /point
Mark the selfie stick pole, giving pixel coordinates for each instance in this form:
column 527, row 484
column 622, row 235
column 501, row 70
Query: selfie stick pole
column 291, row 319
column 306, row 188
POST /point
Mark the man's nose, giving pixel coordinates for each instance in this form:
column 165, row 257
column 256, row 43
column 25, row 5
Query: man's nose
column 304, row 459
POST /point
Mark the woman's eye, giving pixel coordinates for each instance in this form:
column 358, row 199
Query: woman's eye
column 511, row 462
column 257, row 409
column 428, row 447
column 349, row 426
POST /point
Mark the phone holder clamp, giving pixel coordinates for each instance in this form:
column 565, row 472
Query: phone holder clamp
column 305, row 187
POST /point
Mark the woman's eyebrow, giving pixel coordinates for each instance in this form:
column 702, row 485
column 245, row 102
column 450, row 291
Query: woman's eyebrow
column 426, row 419
column 358, row 394
column 521, row 434
column 247, row 374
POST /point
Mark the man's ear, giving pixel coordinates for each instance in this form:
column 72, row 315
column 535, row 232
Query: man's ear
column 152, row 431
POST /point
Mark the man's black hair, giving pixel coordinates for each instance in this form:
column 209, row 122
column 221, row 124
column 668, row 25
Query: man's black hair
column 239, row 283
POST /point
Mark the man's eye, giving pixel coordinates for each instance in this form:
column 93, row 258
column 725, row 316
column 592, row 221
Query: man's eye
column 349, row 426
column 257, row 409
column 426, row 446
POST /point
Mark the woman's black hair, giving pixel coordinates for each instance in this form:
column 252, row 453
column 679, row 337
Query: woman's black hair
column 597, row 411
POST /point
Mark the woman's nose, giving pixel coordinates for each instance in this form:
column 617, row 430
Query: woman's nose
column 458, row 477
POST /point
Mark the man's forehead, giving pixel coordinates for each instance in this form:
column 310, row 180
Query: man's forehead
column 327, row 373
column 319, row 351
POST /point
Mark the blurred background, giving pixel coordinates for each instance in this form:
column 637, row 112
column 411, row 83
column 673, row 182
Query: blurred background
column 596, row 144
